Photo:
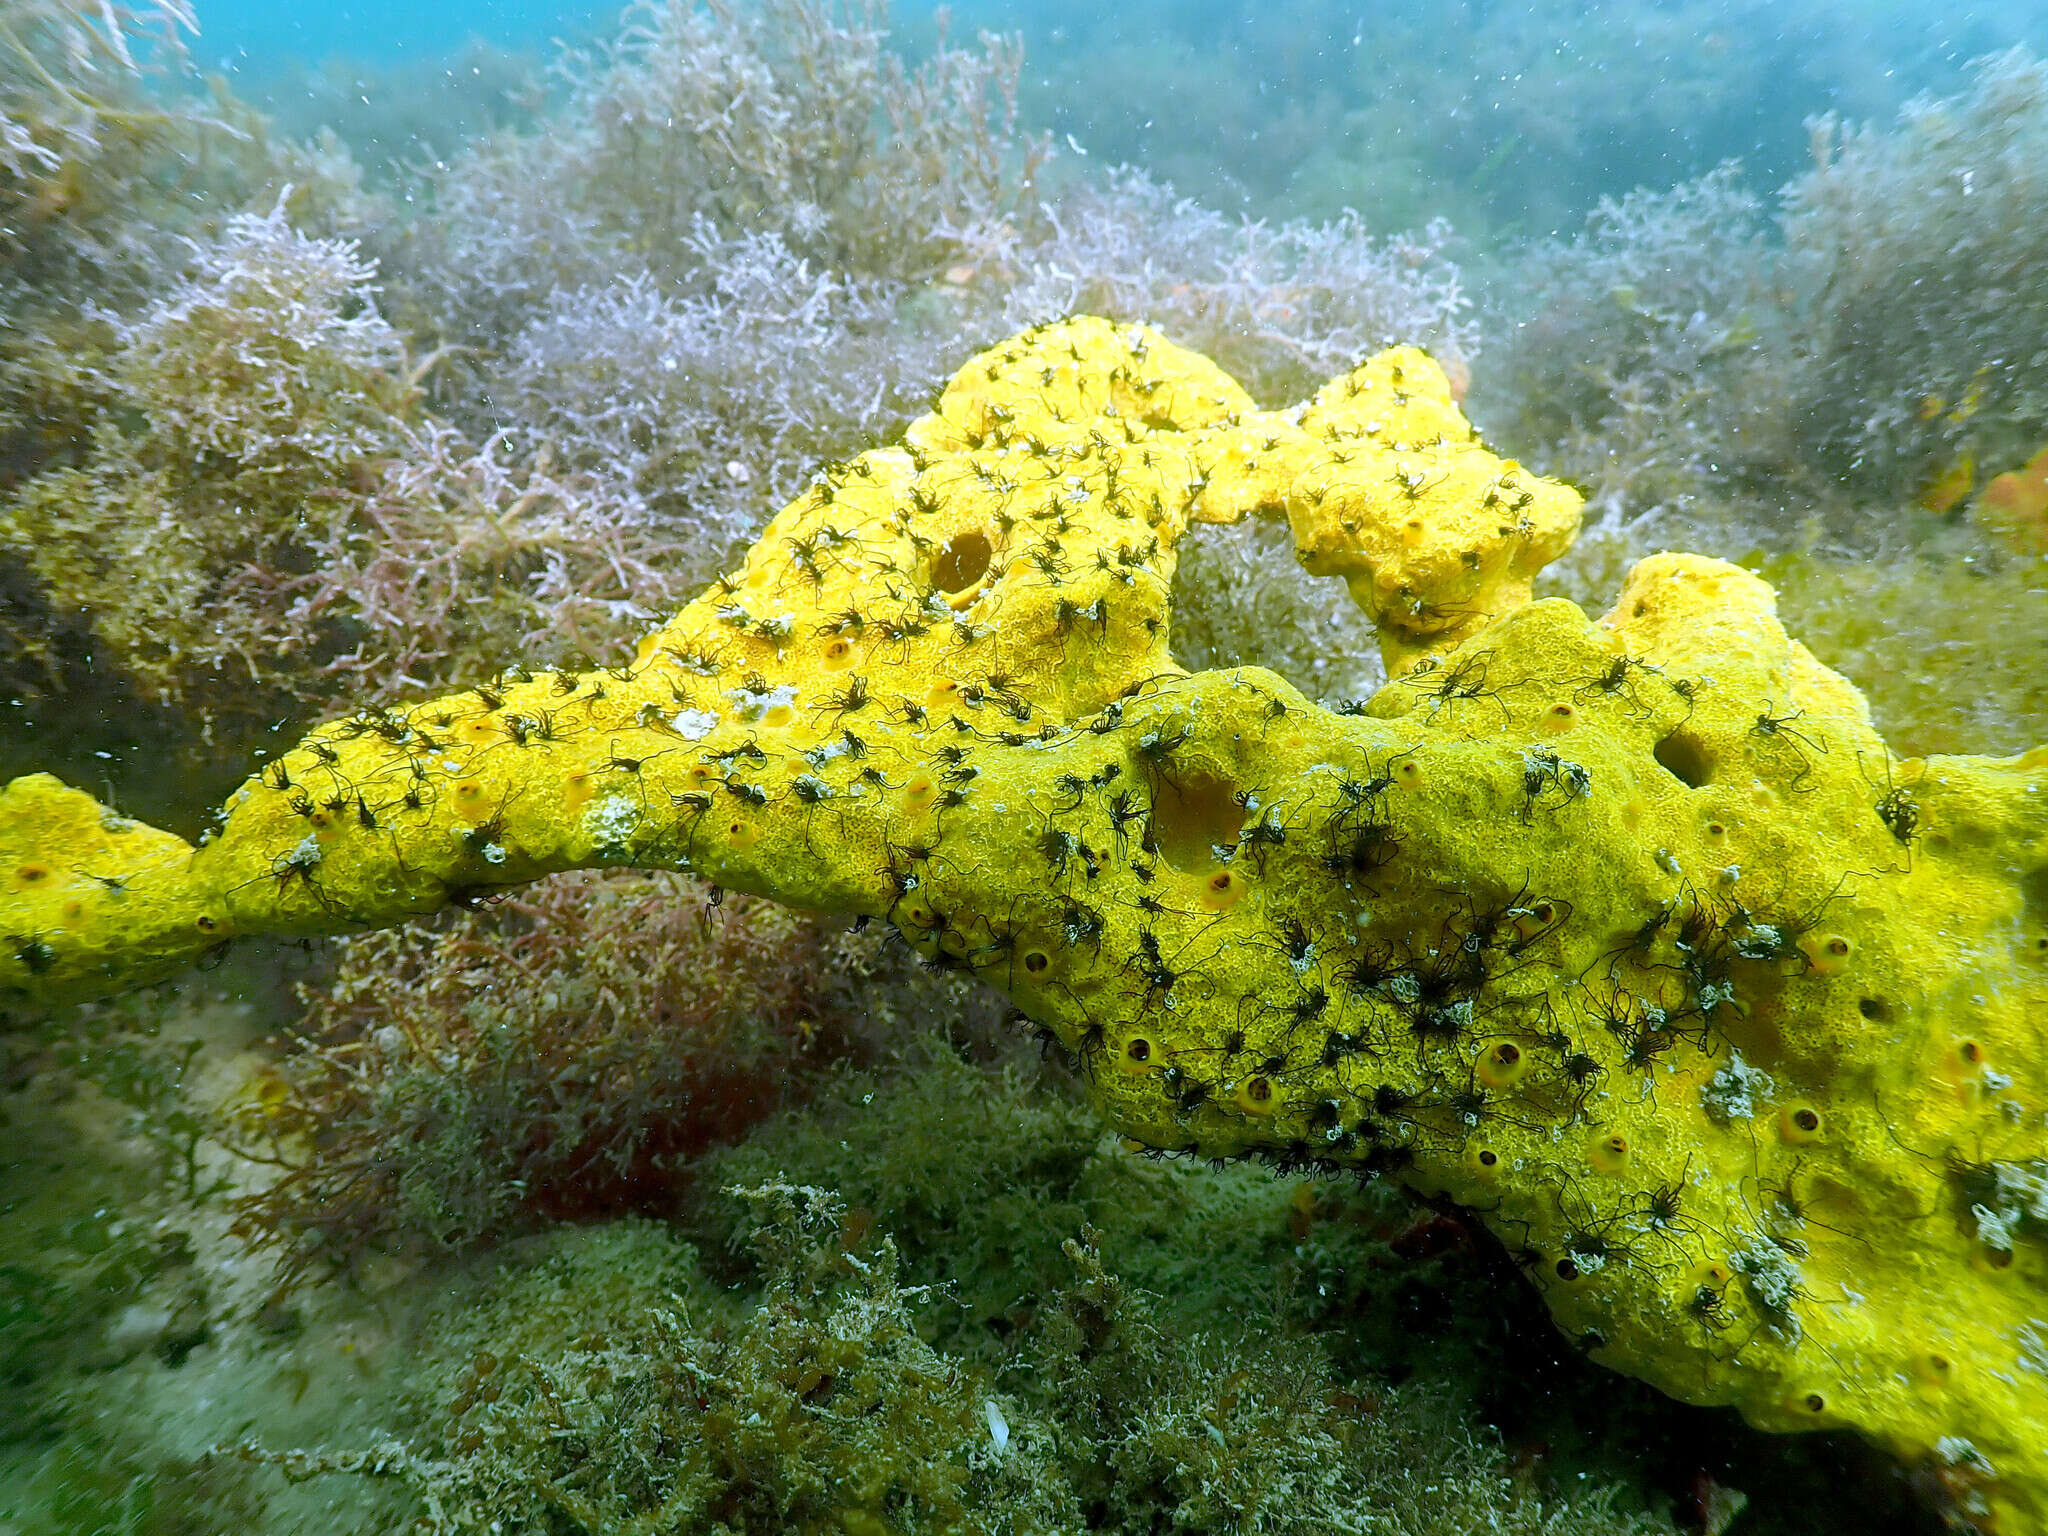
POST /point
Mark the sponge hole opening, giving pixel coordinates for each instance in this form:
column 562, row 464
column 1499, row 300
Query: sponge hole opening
column 1686, row 759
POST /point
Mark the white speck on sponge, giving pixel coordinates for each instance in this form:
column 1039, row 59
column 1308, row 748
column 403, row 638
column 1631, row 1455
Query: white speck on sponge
column 2033, row 1354
column 695, row 724
column 610, row 824
column 1773, row 1281
column 1958, row 1452
column 1736, row 1092
column 752, row 705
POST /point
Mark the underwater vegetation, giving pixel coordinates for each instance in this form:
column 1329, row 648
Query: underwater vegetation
column 1513, row 120
column 561, row 1055
column 1369, row 938
column 1878, row 338
column 617, row 1384
column 419, row 448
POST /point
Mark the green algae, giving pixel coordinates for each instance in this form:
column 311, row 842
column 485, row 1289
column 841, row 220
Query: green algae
column 1951, row 649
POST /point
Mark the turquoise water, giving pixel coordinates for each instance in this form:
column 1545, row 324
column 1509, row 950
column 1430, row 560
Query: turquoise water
column 261, row 36
column 1404, row 110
